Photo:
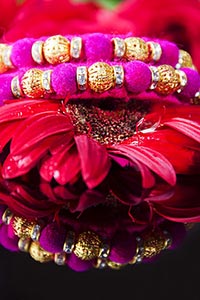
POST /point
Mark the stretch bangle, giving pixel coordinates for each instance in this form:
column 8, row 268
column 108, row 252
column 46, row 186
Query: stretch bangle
column 69, row 80
column 60, row 49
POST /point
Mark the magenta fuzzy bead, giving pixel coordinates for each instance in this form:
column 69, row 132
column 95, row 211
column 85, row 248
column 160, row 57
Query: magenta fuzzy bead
column 170, row 53
column 77, row 264
column 6, row 242
column 137, row 77
column 123, row 248
column 21, row 53
column 64, row 80
column 193, row 83
column 5, row 90
column 52, row 238
column 98, row 47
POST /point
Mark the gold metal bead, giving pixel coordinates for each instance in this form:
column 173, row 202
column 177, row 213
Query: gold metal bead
column 56, row 49
column 101, row 77
column 39, row 254
column 169, row 80
column 185, row 60
column 32, row 83
column 22, row 227
column 154, row 244
column 87, row 246
column 136, row 49
column 24, row 244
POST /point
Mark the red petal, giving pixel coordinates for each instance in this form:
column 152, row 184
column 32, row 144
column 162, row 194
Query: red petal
column 37, row 128
column 155, row 161
column 95, row 163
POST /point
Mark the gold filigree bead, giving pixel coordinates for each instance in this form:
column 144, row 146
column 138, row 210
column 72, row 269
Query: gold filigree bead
column 24, row 244
column 185, row 60
column 26, row 229
column 39, row 254
column 169, row 80
column 88, row 246
column 101, row 77
column 136, row 49
column 32, row 83
column 154, row 244
column 56, row 49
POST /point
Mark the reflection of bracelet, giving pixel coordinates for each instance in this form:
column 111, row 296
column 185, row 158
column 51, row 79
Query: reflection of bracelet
column 56, row 243
column 133, row 78
column 59, row 49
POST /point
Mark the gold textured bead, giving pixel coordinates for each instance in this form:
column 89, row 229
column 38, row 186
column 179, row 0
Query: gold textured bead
column 39, row 254
column 56, row 49
column 185, row 60
column 169, row 80
column 101, row 77
column 154, row 244
column 22, row 227
column 32, row 84
column 88, row 246
column 136, row 49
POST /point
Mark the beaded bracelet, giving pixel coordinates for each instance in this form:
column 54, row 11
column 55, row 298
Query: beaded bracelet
column 63, row 245
column 59, row 49
column 117, row 81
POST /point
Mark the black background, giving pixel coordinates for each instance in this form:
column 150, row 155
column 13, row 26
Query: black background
column 176, row 275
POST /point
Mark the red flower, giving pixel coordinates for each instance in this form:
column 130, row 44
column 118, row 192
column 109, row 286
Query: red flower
column 42, row 134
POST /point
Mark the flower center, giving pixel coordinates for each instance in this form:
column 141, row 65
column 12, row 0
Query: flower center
column 107, row 125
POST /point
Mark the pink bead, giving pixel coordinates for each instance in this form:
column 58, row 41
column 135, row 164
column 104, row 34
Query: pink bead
column 5, row 90
column 98, row 47
column 137, row 77
column 170, row 53
column 123, row 248
column 64, row 80
column 77, row 264
column 21, row 53
column 193, row 83
column 6, row 242
column 52, row 238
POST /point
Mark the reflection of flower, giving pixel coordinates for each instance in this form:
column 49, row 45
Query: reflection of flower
column 170, row 19
column 139, row 168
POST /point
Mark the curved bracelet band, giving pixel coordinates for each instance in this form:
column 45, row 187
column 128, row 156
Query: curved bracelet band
column 87, row 246
column 120, row 81
column 60, row 49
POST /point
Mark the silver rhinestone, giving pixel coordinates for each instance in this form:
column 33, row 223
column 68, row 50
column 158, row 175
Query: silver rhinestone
column 69, row 242
column 76, row 47
column 140, row 250
column 37, row 52
column 104, row 251
column 101, row 263
column 155, row 77
column 183, row 80
column 6, row 57
column 7, row 216
column 81, row 77
column 168, row 240
column 119, row 47
column 156, row 50
column 35, row 234
column 60, row 258
column 46, row 80
column 119, row 74
column 15, row 87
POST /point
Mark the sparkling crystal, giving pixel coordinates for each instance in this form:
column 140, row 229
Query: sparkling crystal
column 81, row 76
column 155, row 77
column 76, row 46
column 35, row 234
column 119, row 47
column 69, row 242
column 119, row 74
column 6, row 57
column 104, row 252
column 36, row 52
column 46, row 80
column 60, row 258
